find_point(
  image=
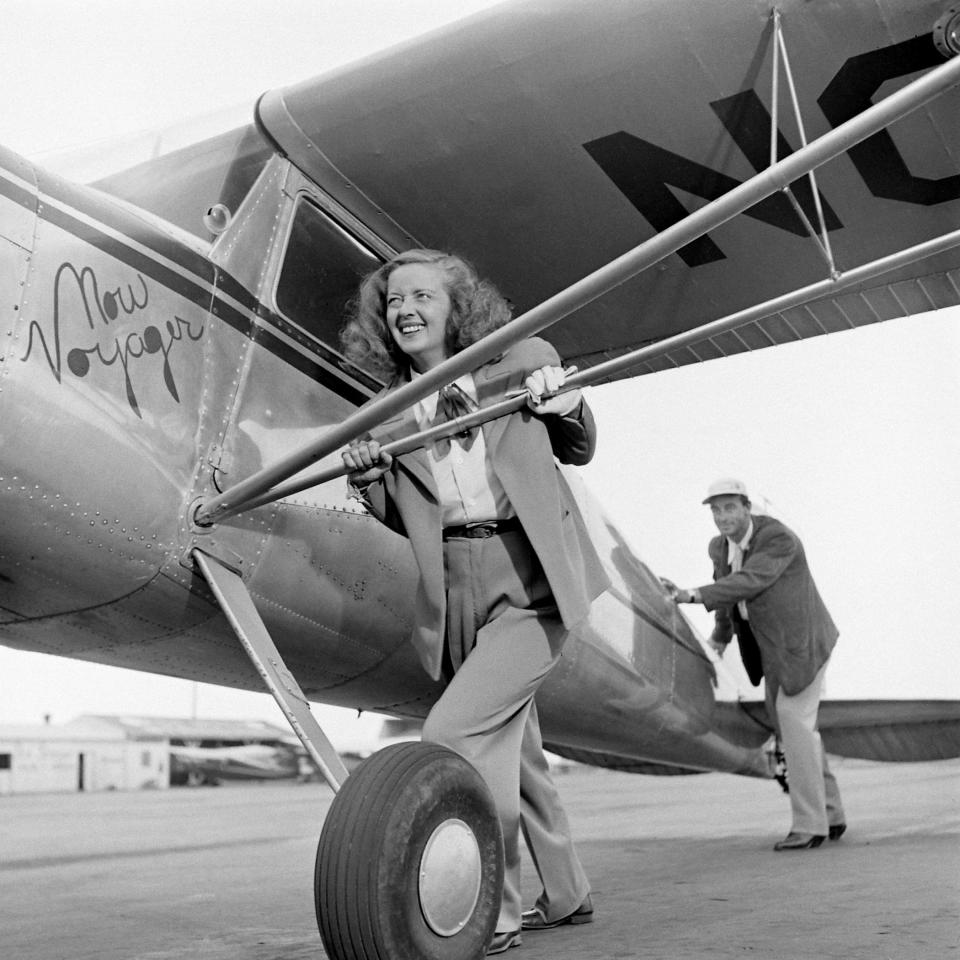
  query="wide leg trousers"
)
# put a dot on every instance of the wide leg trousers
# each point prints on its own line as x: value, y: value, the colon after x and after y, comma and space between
x: 504, y: 635
x: 814, y: 795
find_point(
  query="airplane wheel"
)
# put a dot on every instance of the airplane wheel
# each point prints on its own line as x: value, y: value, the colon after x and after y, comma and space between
x: 410, y: 859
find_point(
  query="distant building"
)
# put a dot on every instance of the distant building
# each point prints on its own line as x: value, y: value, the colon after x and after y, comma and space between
x: 200, y: 732
x: 137, y: 753
x: 49, y: 759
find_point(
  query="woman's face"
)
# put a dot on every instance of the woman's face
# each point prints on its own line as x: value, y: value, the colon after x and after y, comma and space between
x: 418, y: 307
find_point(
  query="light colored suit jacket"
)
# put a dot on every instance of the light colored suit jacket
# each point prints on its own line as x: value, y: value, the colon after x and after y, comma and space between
x: 789, y: 620
x: 521, y: 448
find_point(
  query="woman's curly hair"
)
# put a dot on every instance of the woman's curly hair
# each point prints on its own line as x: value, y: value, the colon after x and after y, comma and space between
x: 478, y: 308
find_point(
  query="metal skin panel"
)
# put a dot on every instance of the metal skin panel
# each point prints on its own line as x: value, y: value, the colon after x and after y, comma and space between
x: 544, y: 139
x: 19, y: 210
x: 100, y: 412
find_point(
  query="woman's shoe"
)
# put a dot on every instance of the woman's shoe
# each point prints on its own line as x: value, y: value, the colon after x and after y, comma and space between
x: 502, y: 942
x: 535, y: 920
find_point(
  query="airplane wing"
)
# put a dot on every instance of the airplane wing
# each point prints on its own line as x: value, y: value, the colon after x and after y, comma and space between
x: 542, y: 140
x: 893, y: 731
x: 889, y: 730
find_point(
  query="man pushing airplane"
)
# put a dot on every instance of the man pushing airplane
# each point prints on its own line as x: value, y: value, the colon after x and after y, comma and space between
x: 763, y: 591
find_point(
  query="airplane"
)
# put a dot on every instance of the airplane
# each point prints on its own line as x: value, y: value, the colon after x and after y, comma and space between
x: 196, y: 765
x: 171, y: 363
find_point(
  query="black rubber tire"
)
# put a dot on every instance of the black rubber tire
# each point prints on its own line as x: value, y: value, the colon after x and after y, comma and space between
x: 366, y: 879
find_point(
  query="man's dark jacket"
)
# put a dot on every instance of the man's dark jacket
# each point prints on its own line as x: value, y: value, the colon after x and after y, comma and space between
x: 793, y: 630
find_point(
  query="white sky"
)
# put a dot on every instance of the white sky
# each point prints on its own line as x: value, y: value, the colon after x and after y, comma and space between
x: 851, y: 438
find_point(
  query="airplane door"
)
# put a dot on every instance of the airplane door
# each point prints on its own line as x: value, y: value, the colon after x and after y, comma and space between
x: 294, y: 382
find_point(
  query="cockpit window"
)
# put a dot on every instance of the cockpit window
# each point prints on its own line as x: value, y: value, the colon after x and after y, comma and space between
x: 322, y: 269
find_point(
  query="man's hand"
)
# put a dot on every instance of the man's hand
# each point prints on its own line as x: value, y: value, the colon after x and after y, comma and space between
x: 550, y: 380
x: 677, y: 594
x: 670, y: 587
x: 366, y: 462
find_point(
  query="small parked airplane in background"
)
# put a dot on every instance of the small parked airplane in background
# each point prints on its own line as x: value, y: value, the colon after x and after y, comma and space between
x: 196, y: 765
x: 651, y: 186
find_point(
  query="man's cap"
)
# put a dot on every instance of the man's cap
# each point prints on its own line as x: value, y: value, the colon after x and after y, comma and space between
x: 727, y: 485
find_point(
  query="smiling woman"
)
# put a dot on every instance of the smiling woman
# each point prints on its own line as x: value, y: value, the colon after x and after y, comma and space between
x: 506, y: 569
x: 442, y: 303
x: 418, y: 306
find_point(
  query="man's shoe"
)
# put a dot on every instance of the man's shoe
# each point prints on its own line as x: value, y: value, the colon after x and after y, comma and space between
x: 799, y: 841
x: 502, y: 942
x: 837, y: 830
x: 535, y: 920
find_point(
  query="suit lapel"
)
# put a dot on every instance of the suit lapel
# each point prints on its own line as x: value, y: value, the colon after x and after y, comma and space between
x: 758, y: 523
x: 723, y: 547
x: 493, y: 380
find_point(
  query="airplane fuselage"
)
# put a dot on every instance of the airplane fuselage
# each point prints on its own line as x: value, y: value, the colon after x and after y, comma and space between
x: 145, y: 370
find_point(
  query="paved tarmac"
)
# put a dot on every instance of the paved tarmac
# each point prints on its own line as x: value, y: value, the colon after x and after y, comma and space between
x: 682, y: 867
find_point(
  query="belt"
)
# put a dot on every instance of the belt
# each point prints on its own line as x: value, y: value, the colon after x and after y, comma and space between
x: 481, y: 529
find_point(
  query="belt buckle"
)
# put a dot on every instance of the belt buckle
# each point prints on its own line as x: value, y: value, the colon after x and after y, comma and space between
x: 482, y: 531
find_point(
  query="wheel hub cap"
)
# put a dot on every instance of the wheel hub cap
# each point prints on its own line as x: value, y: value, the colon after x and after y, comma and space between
x: 450, y: 874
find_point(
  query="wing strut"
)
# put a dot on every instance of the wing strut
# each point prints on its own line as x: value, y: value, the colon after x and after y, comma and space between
x: 780, y: 49
x: 235, y: 601
x: 629, y: 361
x: 585, y: 291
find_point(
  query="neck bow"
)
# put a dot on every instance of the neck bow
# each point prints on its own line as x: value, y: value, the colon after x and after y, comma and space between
x: 452, y: 403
